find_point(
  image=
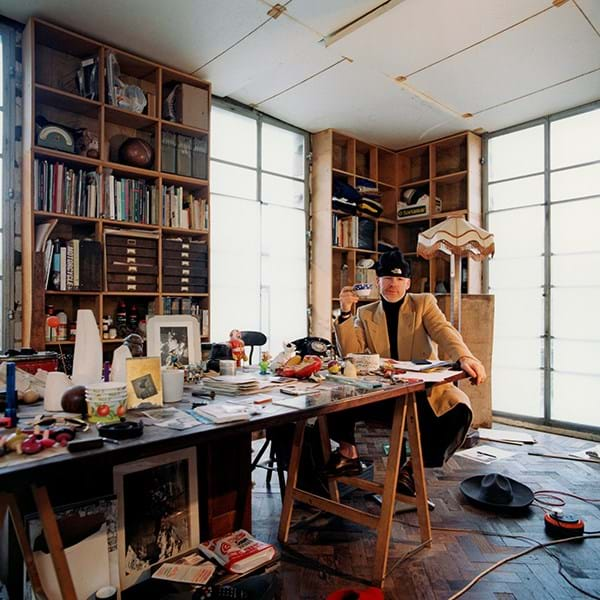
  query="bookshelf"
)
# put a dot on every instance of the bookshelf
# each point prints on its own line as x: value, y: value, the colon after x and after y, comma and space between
x: 448, y: 169
x: 97, y: 195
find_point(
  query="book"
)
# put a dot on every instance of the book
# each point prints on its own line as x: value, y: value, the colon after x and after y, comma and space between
x: 183, y: 571
x: 220, y: 412
x: 238, y: 552
x: 419, y: 365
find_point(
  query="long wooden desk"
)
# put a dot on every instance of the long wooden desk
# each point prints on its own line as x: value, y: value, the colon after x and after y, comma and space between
x: 224, y: 493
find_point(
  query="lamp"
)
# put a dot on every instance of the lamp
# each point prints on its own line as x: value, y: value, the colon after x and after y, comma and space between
x: 455, y: 237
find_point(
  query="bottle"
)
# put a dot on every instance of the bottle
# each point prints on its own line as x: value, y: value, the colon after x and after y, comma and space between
x: 62, y: 326
x: 105, y: 326
x: 49, y: 330
x: 132, y: 319
x: 121, y: 319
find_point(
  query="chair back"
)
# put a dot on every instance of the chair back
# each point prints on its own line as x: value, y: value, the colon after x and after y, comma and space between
x: 253, y: 338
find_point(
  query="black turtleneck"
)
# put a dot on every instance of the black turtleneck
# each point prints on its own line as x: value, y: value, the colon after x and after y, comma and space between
x: 392, y: 310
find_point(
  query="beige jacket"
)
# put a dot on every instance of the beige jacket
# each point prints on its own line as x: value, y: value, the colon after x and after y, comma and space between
x: 422, y: 327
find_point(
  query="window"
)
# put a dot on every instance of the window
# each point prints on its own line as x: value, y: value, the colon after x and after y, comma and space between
x: 543, y: 205
x: 258, y: 226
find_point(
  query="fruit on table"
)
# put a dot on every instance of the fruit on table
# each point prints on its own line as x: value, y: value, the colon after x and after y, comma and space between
x: 301, y: 369
x: 334, y: 367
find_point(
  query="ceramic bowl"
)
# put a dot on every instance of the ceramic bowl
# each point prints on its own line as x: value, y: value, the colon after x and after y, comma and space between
x: 362, y: 290
x: 105, y: 410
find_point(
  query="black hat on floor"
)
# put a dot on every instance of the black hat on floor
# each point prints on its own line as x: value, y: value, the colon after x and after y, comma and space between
x: 392, y: 263
x: 496, y: 492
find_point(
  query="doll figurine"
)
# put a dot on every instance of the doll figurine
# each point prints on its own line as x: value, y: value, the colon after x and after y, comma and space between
x: 265, y: 359
x: 236, y: 343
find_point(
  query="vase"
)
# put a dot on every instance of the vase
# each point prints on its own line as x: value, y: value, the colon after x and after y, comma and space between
x: 87, y: 357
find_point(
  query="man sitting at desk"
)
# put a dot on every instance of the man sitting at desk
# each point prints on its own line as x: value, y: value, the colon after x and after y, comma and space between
x: 404, y: 327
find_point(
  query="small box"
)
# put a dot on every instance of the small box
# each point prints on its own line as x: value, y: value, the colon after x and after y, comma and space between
x: 191, y: 106
x: 416, y: 206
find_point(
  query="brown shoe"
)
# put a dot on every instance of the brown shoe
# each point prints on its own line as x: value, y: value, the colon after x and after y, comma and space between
x: 406, y: 483
x: 339, y: 465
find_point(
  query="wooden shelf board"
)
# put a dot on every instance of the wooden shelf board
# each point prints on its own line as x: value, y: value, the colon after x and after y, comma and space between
x: 387, y: 184
x: 128, y: 118
x: 451, y: 213
x: 71, y: 293
x: 127, y: 170
x: 136, y: 294
x: 61, y: 343
x: 185, y: 294
x: 63, y: 216
x: 112, y: 222
x: 387, y: 220
x: 66, y: 157
x: 414, y: 183
x: 171, y: 178
x: 170, y: 74
x: 451, y: 177
x: 340, y: 172
x: 184, y: 230
x: 183, y: 128
x: 414, y: 220
x: 45, y: 94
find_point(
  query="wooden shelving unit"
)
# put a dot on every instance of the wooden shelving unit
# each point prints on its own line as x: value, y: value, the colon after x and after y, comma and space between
x: 448, y: 168
x: 51, y: 56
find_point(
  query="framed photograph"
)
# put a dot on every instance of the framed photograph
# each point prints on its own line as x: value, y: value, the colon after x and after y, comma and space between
x: 175, y: 338
x: 157, y: 511
x: 144, y: 384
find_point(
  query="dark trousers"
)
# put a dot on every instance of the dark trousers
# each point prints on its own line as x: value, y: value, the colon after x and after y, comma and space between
x: 440, y: 436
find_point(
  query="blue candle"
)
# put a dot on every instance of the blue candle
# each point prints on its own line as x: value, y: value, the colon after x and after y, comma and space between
x: 11, y: 395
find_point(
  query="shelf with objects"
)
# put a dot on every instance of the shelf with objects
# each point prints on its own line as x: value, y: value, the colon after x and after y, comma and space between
x: 436, y: 181
x: 115, y: 170
x: 354, y: 198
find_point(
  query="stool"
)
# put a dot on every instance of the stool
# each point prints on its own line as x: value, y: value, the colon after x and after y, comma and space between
x: 405, y: 416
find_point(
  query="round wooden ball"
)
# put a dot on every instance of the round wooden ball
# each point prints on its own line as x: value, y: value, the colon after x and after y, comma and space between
x: 73, y: 400
x: 136, y: 153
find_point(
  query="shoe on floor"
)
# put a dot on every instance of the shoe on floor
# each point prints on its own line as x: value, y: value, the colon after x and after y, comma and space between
x: 339, y: 465
x: 406, y: 483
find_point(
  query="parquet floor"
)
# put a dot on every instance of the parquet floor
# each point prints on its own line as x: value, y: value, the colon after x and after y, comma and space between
x: 455, y: 557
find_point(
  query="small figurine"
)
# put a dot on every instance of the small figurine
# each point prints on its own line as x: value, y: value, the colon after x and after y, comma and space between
x: 265, y: 358
x: 236, y: 343
x: 289, y: 350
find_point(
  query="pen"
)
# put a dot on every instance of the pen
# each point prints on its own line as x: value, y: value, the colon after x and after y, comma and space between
x: 486, y: 454
x: 110, y: 441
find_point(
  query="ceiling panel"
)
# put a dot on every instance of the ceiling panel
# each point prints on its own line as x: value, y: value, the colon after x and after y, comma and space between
x: 275, y: 57
x: 554, y: 46
x: 364, y: 104
x: 417, y: 33
x: 326, y: 17
x: 185, y: 38
x: 591, y: 8
x: 576, y: 92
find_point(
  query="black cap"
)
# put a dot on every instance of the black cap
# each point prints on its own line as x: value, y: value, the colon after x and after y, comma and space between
x: 392, y: 263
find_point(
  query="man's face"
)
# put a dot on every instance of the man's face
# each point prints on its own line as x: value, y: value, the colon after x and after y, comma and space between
x: 393, y: 288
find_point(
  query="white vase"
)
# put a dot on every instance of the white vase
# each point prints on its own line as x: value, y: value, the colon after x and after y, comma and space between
x: 118, y: 371
x: 56, y: 384
x: 87, y: 357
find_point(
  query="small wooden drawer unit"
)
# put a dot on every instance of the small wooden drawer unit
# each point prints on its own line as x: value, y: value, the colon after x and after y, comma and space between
x: 131, y: 261
x: 185, y: 266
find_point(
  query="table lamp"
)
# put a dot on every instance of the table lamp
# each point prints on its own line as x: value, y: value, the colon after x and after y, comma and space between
x: 455, y: 237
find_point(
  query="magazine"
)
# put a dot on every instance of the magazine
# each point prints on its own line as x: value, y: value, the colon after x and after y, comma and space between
x: 238, y: 552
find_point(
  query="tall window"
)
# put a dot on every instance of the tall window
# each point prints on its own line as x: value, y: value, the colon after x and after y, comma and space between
x: 258, y: 226
x: 543, y: 205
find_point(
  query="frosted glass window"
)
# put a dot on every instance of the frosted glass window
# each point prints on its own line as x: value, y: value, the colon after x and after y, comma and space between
x: 519, y: 313
x: 575, y: 313
x: 570, y: 139
x: 516, y: 272
x: 515, y: 154
x: 576, y: 356
x: 575, y: 183
x: 576, y: 270
x: 515, y: 193
x: 575, y: 398
x: 518, y: 391
x: 575, y: 227
x: 517, y: 352
x: 1, y: 76
x: 518, y: 233
x: 233, y: 137
x: 282, y: 151
x: 235, y: 266
x: 282, y: 191
x: 233, y: 181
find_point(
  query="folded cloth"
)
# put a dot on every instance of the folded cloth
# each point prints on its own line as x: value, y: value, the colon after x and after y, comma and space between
x: 347, y: 206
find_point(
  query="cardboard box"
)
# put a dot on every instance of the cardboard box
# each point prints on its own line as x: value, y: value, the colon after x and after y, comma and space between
x: 404, y: 210
x: 192, y: 106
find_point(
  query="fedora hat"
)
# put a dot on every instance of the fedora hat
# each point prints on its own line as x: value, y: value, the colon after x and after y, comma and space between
x: 496, y: 492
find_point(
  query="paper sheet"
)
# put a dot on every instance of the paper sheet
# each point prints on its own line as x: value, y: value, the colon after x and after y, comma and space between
x: 484, y: 454
x: 584, y: 453
x: 500, y: 435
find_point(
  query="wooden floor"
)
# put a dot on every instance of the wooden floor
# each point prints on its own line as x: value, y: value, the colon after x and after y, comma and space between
x: 455, y: 557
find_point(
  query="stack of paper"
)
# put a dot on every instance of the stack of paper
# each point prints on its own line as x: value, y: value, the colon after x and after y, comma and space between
x: 221, y: 412
x: 232, y: 385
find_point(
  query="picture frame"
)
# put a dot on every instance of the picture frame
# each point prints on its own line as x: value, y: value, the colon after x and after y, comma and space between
x: 175, y: 339
x: 144, y: 382
x: 157, y: 511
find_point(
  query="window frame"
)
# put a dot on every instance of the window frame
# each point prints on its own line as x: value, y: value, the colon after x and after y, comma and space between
x: 546, y: 121
x: 262, y: 118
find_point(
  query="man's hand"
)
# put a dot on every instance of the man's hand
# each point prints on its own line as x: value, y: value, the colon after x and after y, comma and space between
x: 347, y: 299
x: 473, y: 368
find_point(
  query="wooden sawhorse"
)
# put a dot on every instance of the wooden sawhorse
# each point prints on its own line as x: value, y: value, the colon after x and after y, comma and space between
x: 406, y: 408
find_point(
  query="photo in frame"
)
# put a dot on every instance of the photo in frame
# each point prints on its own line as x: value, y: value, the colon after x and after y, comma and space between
x: 175, y: 339
x: 144, y: 384
x: 157, y: 511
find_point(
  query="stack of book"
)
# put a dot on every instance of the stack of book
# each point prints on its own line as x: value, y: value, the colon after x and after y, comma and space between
x: 73, y: 265
x: 232, y: 385
x: 223, y: 412
x: 129, y: 200
x: 183, y: 209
